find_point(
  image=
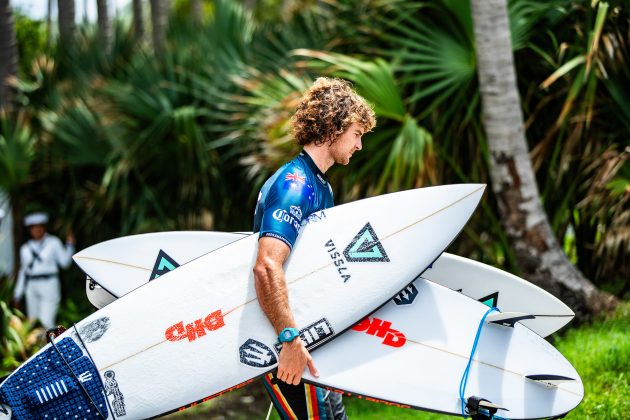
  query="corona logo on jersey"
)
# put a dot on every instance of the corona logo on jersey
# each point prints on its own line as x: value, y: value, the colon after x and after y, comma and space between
x: 296, y: 211
x: 283, y: 216
x: 382, y: 329
x: 195, y: 329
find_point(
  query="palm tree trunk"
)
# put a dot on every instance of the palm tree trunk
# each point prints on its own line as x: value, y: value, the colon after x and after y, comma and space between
x: 159, y: 21
x: 66, y: 21
x: 104, y: 25
x: 8, y: 55
x: 138, y: 20
x: 539, y: 255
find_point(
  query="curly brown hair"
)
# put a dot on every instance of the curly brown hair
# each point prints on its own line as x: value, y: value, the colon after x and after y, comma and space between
x: 326, y: 111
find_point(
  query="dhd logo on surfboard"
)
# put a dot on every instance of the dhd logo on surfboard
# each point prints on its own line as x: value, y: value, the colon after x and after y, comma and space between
x: 195, y: 329
x: 382, y: 329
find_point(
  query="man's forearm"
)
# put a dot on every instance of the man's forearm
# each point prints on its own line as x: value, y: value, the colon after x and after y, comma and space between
x: 271, y: 286
x: 273, y: 297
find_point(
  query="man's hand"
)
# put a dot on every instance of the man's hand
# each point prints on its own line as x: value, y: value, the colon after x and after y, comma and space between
x: 293, y: 358
x: 70, y: 239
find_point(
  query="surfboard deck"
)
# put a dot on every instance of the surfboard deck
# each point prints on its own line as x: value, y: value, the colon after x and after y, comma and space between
x: 138, y: 259
x: 179, y: 340
x: 414, y: 356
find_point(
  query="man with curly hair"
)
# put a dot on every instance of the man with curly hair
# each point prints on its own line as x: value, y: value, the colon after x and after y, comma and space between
x: 329, y: 123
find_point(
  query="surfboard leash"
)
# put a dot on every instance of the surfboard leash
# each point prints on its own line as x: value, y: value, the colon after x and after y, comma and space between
x: 464, y: 380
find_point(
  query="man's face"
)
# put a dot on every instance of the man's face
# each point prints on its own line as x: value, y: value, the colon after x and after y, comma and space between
x: 37, y: 231
x: 348, y: 143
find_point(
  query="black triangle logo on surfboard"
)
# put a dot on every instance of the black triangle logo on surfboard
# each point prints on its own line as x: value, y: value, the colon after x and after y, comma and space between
x: 366, y: 247
x: 492, y: 300
x: 163, y: 264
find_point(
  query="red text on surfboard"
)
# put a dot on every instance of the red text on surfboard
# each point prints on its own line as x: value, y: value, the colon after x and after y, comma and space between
x: 195, y: 329
x: 382, y: 329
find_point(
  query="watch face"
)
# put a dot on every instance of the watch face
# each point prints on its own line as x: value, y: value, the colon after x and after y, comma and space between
x: 287, y: 334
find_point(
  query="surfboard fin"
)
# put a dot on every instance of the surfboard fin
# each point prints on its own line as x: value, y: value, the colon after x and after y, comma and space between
x: 481, y: 409
x: 549, y: 381
x: 507, y: 319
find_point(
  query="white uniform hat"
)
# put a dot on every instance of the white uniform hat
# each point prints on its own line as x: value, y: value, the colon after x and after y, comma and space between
x: 35, y: 219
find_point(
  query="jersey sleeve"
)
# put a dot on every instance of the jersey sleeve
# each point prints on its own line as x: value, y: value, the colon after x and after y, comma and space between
x: 288, y: 199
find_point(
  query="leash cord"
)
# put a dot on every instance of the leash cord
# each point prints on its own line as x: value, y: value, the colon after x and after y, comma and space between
x: 464, y: 380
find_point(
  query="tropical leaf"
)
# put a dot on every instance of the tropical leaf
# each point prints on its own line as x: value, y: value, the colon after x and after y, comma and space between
x: 83, y: 135
x: 17, y: 151
x: 528, y: 16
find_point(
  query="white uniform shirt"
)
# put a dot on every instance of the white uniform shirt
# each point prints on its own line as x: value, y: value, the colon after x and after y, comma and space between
x: 52, y: 255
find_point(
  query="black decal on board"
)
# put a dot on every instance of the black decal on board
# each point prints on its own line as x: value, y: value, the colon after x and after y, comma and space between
x: 407, y: 296
x: 113, y: 393
x: 163, y: 264
x: 94, y: 330
x: 492, y: 300
x: 256, y: 354
x: 313, y: 335
x: 366, y: 247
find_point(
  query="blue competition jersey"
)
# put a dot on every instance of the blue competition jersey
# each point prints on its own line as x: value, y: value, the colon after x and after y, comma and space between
x: 293, y: 193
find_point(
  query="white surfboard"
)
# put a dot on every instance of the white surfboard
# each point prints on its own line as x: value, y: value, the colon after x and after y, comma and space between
x: 415, y: 356
x: 201, y: 332
x: 137, y: 259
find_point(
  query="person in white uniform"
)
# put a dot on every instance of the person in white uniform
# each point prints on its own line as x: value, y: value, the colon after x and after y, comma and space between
x: 38, y: 277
